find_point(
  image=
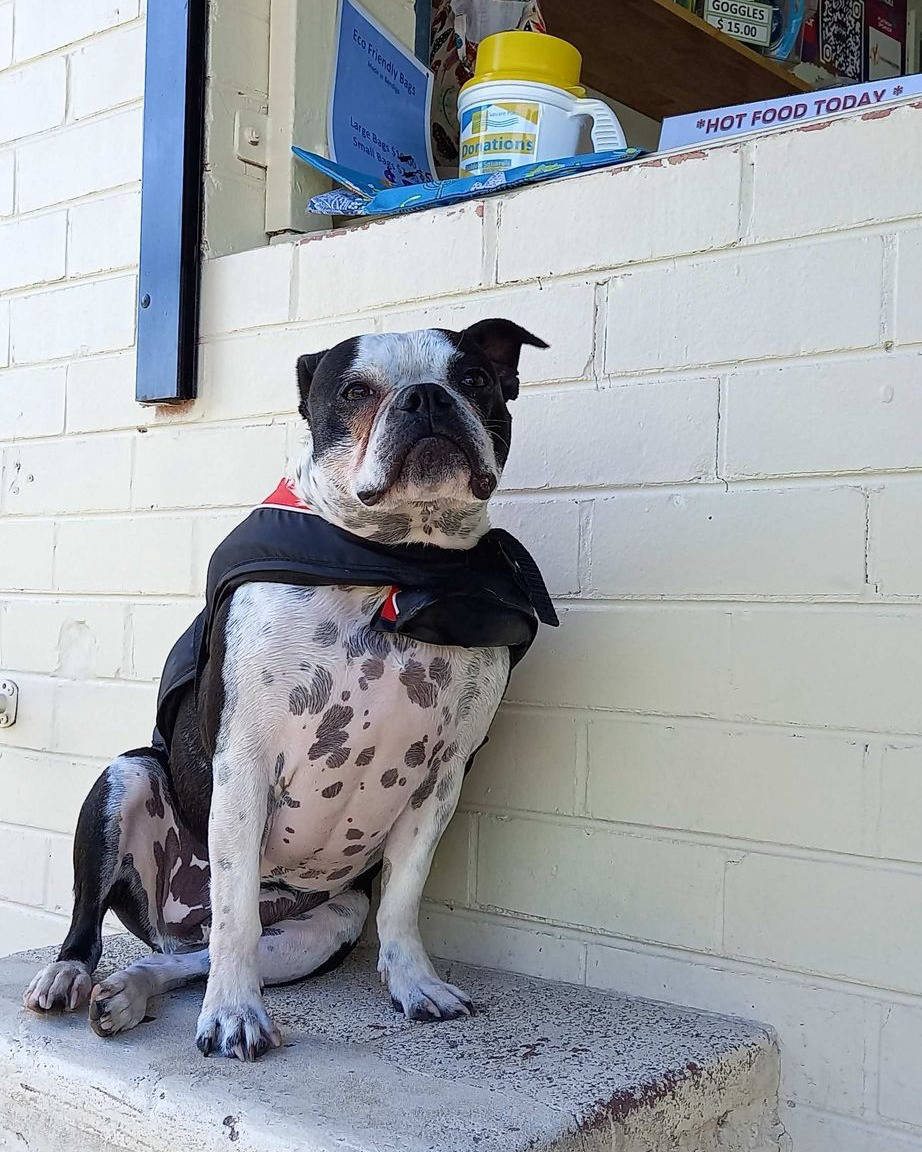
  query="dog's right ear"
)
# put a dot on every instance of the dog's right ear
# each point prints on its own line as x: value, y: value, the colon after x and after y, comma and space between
x: 307, y: 366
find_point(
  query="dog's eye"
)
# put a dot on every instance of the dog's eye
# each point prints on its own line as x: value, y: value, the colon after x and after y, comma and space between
x: 475, y: 380
x: 356, y: 391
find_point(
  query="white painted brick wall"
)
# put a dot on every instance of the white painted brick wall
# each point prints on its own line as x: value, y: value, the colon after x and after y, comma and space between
x: 826, y: 918
x: 380, y: 263
x: 6, y: 34
x: 69, y: 476
x: 91, y: 157
x: 32, y: 99
x: 230, y: 464
x: 32, y: 251
x: 23, y: 865
x: 730, y: 543
x: 32, y: 402
x: 153, y: 628
x: 73, y: 638
x: 43, y: 790
x: 707, y: 785
x: 643, y: 884
x: 121, y: 713
x: 851, y: 415
x: 4, y: 333
x: 75, y: 321
x: 107, y: 72
x: 639, y: 221
x: 140, y: 555
x: 668, y: 659
x: 529, y: 950
x: 909, y: 287
x: 656, y: 433
x: 900, y: 1098
x: 100, y: 394
x: 790, y: 682
x: 247, y: 290
x: 27, y: 549
x: 709, y: 778
x: 553, y: 530
x: 882, y: 188
x: 7, y: 171
x: 901, y: 793
x: 534, y: 761
x: 43, y: 25
x: 897, y: 540
x: 103, y: 234
x: 762, y: 303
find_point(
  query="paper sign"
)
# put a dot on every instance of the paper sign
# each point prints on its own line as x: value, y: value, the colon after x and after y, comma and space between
x: 379, y: 108
x: 886, y: 39
x: 741, y: 19
x: 717, y: 123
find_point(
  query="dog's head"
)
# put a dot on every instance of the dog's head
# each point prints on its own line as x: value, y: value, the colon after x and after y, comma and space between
x: 406, y: 422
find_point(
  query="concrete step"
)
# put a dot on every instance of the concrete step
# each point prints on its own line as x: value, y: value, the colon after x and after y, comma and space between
x: 541, y: 1066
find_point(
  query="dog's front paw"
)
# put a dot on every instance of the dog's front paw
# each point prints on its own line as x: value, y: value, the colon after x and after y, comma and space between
x: 417, y: 992
x: 430, y: 999
x: 62, y: 986
x: 241, y: 1030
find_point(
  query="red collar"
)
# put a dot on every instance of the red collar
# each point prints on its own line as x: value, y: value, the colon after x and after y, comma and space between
x: 285, y: 496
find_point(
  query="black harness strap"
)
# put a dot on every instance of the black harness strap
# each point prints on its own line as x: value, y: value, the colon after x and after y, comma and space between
x: 491, y: 595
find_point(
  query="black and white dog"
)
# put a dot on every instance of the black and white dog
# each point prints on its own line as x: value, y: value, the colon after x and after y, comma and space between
x: 331, y: 714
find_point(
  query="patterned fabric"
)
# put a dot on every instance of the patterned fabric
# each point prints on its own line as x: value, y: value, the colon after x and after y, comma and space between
x: 391, y: 201
x: 458, y: 26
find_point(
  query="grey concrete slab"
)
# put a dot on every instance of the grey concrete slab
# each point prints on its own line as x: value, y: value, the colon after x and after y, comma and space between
x: 541, y: 1066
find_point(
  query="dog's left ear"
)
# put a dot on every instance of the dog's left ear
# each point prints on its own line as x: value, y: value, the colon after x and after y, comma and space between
x: 502, y: 341
x: 307, y: 366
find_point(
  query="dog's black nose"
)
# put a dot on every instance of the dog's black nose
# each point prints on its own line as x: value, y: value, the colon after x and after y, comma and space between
x: 425, y: 399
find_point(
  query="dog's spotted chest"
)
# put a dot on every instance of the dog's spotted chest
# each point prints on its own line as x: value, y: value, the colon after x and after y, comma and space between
x: 362, y: 725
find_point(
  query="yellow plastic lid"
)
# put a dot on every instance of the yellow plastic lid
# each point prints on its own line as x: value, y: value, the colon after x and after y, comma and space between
x: 533, y: 56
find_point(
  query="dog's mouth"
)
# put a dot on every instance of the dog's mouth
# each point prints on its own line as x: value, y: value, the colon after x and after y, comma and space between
x: 429, y: 463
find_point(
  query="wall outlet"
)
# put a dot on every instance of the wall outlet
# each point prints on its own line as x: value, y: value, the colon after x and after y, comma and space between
x: 9, y: 702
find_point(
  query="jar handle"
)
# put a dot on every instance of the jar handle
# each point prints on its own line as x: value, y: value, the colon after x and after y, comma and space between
x: 607, y: 133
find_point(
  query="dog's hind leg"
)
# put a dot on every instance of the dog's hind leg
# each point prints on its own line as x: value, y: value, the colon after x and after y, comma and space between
x: 130, y: 855
x: 298, y: 946
x: 120, y: 1001
x: 313, y: 942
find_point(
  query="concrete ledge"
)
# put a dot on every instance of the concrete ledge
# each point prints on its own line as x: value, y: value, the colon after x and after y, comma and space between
x: 542, y: 1066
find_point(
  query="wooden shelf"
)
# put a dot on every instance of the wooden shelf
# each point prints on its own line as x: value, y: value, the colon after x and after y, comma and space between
x: 661, y: 59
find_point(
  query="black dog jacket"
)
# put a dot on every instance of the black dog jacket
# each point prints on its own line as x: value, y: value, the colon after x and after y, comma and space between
x: 491, y: 595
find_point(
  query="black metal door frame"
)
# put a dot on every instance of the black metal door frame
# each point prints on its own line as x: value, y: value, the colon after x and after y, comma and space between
x: 171, y: 201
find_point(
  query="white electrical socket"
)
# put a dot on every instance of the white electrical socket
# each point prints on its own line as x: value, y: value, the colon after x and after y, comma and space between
x: 9, y: 702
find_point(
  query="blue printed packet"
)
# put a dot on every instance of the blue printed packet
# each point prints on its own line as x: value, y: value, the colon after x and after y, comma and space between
x: 363, y: 195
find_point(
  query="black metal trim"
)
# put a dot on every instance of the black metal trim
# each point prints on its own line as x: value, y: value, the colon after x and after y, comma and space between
x: 171, y: 201
x: 423, y: 30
